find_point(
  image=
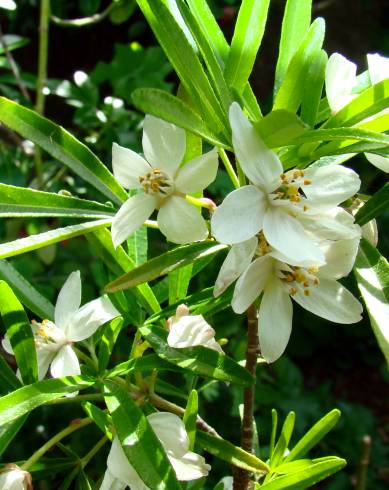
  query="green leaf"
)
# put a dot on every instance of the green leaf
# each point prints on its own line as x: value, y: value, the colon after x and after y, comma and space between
x: 19, y: 333
x: 313, y: 88
x: 343, y: 135
x: 140, y: 444
x: 108, y: 341
x: 377, y: 204
x: 144, y: 363
x: 190, y: 417
x: 295, y: 25
x: 137, y: 246
x: 11, y: 41
x: 25, y: 399
x: 9, y: 431
x: 40, y: 240
x: 314, y: 435
x: 100, y: 418
x: 179, y: 283
x: 291, y: 91
x: 283, y: 440
x: 82, y: 482
x: 274, y: 424
x: 307, y: 476
x: 279, y: 128
x: 167, y: 262
x: 372, y: 274
x: 234, y: 455
x: 172, y: 109
x: 8, y: 379
x: 62, y: 146
x: 248, y: 33
x: 198, y: 360
x: 25, y: 291
x: 21, y: 202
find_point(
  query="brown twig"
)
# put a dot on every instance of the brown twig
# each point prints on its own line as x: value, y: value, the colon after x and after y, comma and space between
x: 242, y: 477
x: 363, y: 464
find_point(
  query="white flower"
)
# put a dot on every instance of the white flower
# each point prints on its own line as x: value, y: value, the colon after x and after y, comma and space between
x: 187, y: 330
x: 314, y: 288
x: 13, y: 478
x: 287, y: 206
x: 72, y: 323
x: 341, y: 79
x: 171, y: 432
x: 164, y: 183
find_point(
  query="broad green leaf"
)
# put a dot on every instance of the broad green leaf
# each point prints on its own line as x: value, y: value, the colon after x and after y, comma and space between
x: 100, y: 418
x: 190, y: 417
x: 291, y: 91
x: 198, y: 360
x: 279, y: 128
x: 179, y: 282
x: 165, y: 263
x: 344, y: 147
x: 341, y: 134
x: 22, y: 202
x: 313, y: 88
x: 25, y: 291
x: 19, y: 333
x: 314, y: 435
x: 248, y: 33
x: 140, y: 444
x: 12, y: 41
x: 234, y: 455
x: 307, y: 476
x: 377, y: 204
x: 137, y: 246
x: 119, y: 262
x: 372, y: 274
x: 283, y: 440
x: 172, y: 109
x: 295, y: 25
x: 108, y: 341
x: 61, y: 145
x: 25, y: 399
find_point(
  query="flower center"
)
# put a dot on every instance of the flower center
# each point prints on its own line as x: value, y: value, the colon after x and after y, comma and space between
x: 290, y: 188
x: 156, y: 182
x: 298, y: 278
x: 263, y: 247
x: 46, y: 333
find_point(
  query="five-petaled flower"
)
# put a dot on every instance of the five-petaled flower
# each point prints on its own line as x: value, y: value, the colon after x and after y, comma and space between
x: 164, y: 182
x: 72, y: 323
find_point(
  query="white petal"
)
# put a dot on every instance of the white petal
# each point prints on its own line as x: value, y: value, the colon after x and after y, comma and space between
x: 240, y: 216
x: 378, y: 67
x: 120, y: 468
x: 331, y: 185
x: 286, y: 234
x: 170, y: 430
x: 274, y: 321
x: 237, y: 260
x: 128, y: 166
x: 191, y: 466
x: 261, y: 165
x: 251, y: 283
x: 333, y: 224
x: 197, y: 174
x: 65, y: 363
x: 378, y: 161
x: 89, y: 318
x: 370, y: 232
x: 189, y: 331
x: 112, y: 483
x: 332, y: 301
x: 181, y: 222
x: 13, y: 479
x: 44, y: 358
x: 163, y: 144
x: 7, y: 345
x: 340, y: 257
x: 340, y: 79
x: 68, y: 301
x: 133, y: 213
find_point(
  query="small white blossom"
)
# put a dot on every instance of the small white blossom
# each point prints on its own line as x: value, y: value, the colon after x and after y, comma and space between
x: 186, y: 330
x: 289, y: 207
x: 13, y: 478
x: 72, y: 323
x: 171, y: 432
x: 164, y: 182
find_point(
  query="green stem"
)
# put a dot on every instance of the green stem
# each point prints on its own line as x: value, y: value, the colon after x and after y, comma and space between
x: 229, y: 168
x: 241, y: 175
x: 85, y: 460
x: 79, y: 424
x: 84, y: 21
x: 77, y: 398
x: 200, y: 203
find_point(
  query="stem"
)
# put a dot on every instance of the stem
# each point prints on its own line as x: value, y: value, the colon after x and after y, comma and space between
x: 85, y: 460
x: 76, y: 425
x: 229, y: 168
x: 363, y: 464
x: 84, y: 21
x: 41, y: 77
x: 76, y: 399
x: 241, y: 175
x: 201, y: 202
x: 242, y: 477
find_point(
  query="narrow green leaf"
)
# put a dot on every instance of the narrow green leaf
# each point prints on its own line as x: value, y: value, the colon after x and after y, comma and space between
x: 274, y: 424
x: 345, y: 147
x: 234, y: 455
x: 179, y: 282
x: 11, y: 41
x: 25, y: 291
x: 108, y: 341
x: 40, y: 240
x: 19, y: 333
x: 61, y: 145
x: 144, y: 363
x: 141, y: 446
x: 295, y: 25
x: 82, y: 482
x: 314, y: 435
x: 377, y: 204
x: 9, y: 431
x: 190, y: 417
x: 343, y: 135
x: 25, y: 399
x: 19, y: 201
x: 248, y: 33
x: 198, y: 360
x: 100, y: 418
x: 313, y: 88
x: 165, y: 263
x: 137, y: 245
x: 283, y: 440
x: 372, y: 273
x: 8, y: 380
x: 279, y: 128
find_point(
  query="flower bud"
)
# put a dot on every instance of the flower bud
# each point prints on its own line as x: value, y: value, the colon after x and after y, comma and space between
x: 13, y: 478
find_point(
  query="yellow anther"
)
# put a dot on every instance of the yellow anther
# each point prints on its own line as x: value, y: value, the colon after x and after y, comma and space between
x: 316, y: 281
x: 307, y: 292
x: 305, y: 208
x: 306, y: 284
x: 292, y: 291
x: 307, y: 182
x: 292, y: 191
x: 289, y: 278
x: 313, y: 270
